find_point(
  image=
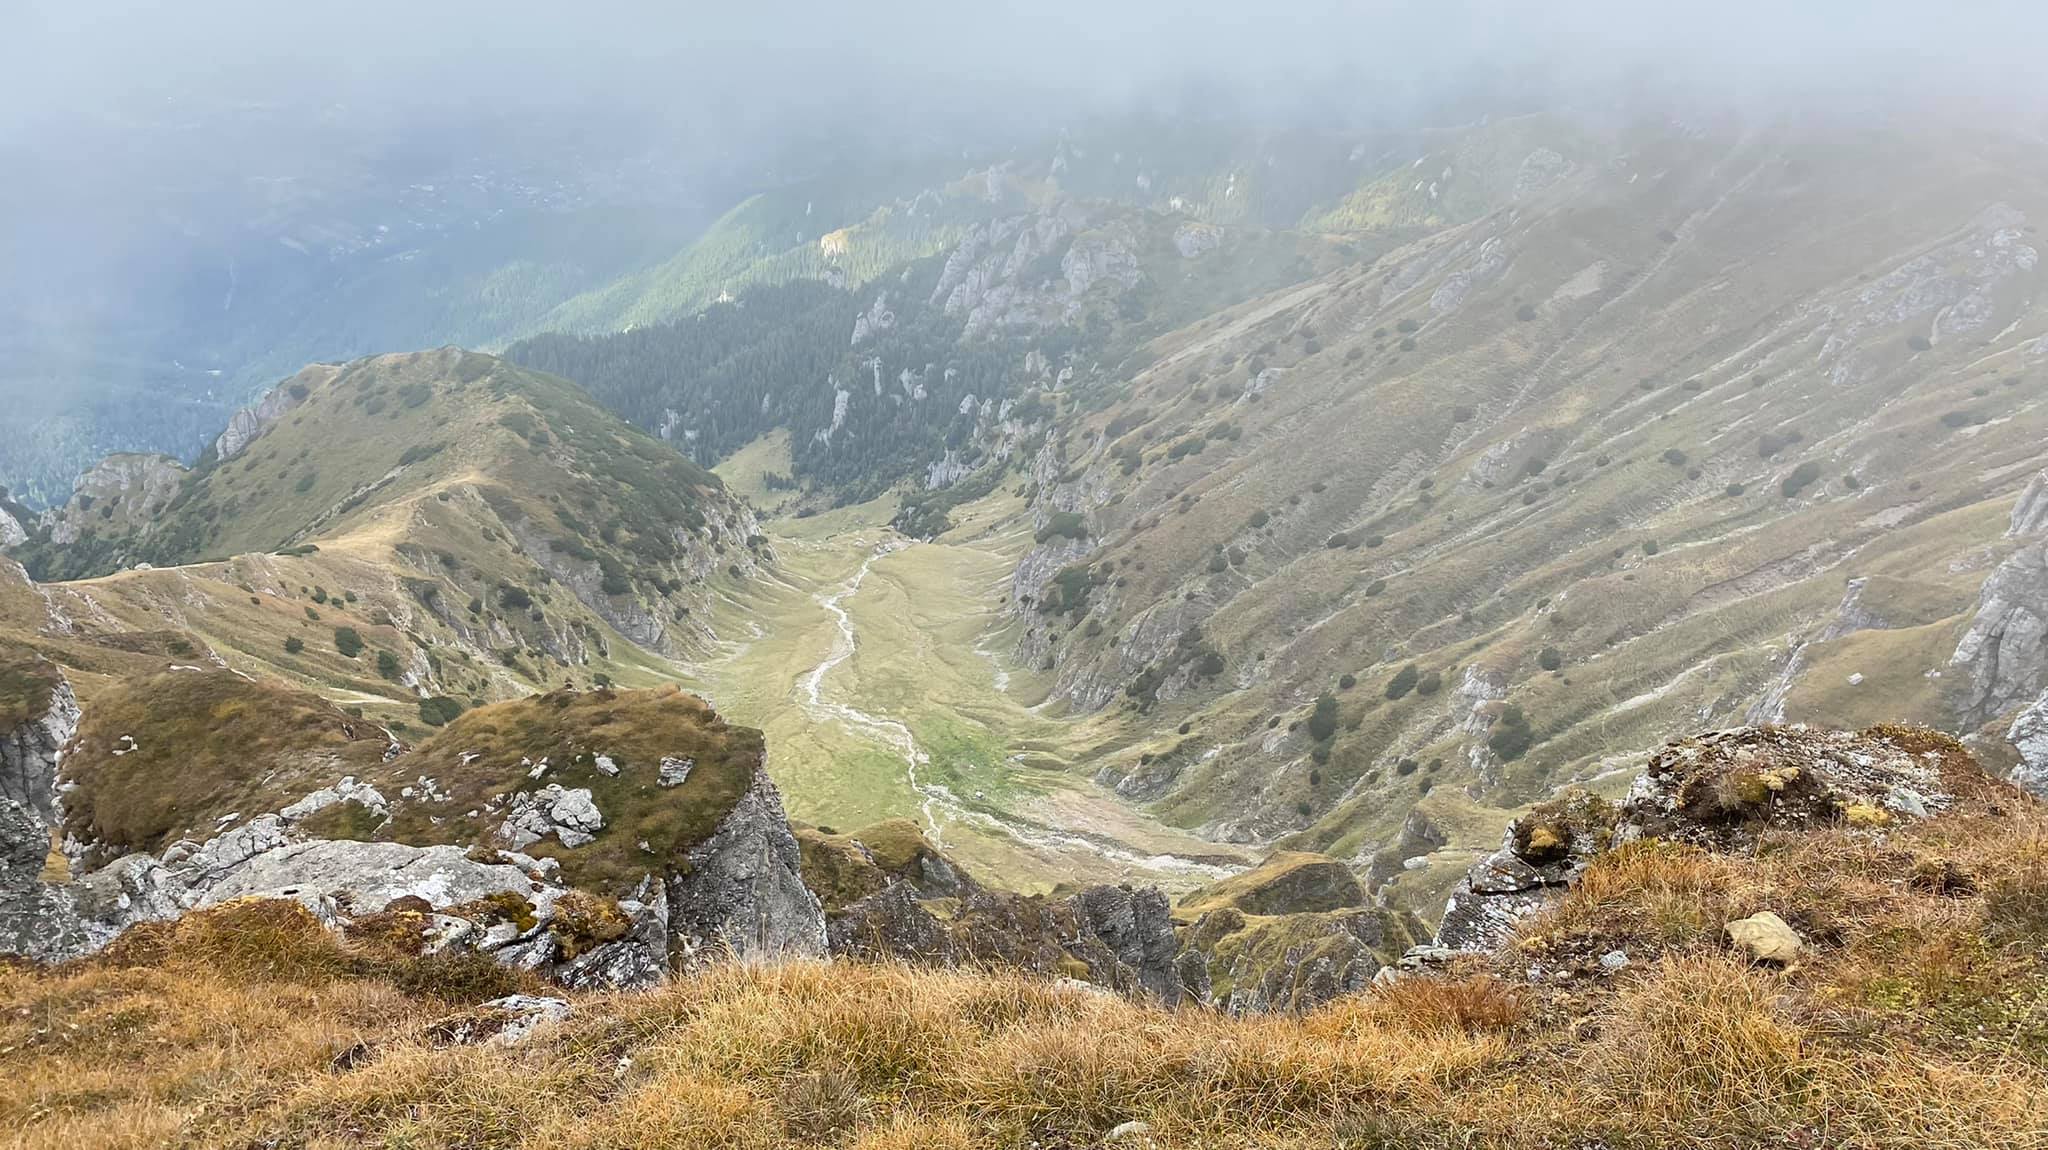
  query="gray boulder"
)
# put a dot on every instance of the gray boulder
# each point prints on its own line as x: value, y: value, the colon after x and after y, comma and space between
x: 1541, y: 854
x: 740, y: 893
x: 2029, y: 736
x: 339, y: 875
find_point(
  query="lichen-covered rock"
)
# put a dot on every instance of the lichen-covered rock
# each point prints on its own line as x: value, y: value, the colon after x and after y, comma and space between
x: 1540, y: 855
x: 1723, y: 789
x: 741, y: 891
x: 332, y: 875
x: 638, y: 957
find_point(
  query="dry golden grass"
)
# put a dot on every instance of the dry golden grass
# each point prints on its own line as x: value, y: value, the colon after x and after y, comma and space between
x: 1920, y: 1019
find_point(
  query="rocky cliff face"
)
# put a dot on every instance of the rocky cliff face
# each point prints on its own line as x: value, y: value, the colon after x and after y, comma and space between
x: 1028, y: 272
x: 248, y: 423
x: 2005, y: 650
x: 31, y: 750
x: 122, y: 494
x: 741, y: 892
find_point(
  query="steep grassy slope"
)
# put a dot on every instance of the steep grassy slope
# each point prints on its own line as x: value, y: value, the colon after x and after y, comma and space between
x: 434, y: 524
x: 160, y: 757
x: 1553, y: 483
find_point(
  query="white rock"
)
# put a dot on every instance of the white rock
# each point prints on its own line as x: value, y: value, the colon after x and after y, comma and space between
x: 534, y: 1013
x: 675, y: 772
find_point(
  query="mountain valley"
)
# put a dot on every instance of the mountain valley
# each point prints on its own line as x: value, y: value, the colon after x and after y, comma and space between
x: 1276, y: 580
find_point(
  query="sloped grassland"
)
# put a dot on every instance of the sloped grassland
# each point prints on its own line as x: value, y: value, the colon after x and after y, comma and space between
x: 1530, y: 494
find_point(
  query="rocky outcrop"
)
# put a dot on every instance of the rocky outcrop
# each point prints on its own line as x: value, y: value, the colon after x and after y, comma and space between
x: 51, y: 922
x: 1724, y: 789
x: 740, y: 893
x: 1296, y: 962
x: 2005, y: 649
x: 663, y: 622
x: 1135, y: 928
x: 125, y: 492
x: 1286, y: 882
x: 1113, y: 936
x: 1024, y: 273
x: 2030, y: 511
x: 1419, y: 837
x: 246, y: 425
x: 736, y: 891
x: 1721, y: 791
x: 2029, y: 737
x: 1541, y: 854
x: 570, y: 815
x: 30, y: 750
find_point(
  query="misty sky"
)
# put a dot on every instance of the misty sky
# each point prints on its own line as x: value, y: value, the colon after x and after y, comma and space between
x: 171, y: 167
x: 762, y: 65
